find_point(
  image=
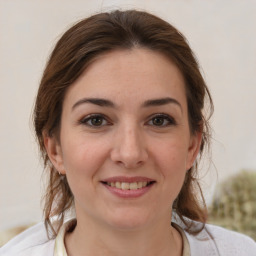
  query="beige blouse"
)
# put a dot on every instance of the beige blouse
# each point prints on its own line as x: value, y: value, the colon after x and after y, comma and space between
x: 60, y: 250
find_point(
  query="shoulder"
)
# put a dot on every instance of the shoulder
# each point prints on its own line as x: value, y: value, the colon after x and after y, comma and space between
x: 230, y: 242
x: 216, y: 240
x: 33, y: 241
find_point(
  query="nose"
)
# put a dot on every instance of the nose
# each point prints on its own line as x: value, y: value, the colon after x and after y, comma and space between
x: 129, y: 148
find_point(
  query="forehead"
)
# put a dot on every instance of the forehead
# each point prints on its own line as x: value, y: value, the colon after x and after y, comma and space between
x: 129, y: 75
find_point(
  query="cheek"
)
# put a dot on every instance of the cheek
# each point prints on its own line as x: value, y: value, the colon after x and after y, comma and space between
x: 171, y: 163
x: 83, y: 157
x: 172, y: 156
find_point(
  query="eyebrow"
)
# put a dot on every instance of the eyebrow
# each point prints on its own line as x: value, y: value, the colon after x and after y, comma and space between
x: 107, y: 103
x: 95, y: 101
x: 160, y: 102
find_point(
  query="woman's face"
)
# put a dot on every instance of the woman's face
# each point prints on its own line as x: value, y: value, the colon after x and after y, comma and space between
x: 125, y: 143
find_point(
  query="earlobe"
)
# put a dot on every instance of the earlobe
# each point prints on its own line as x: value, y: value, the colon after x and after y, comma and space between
x: 194, y: 147
x: 54, y: 152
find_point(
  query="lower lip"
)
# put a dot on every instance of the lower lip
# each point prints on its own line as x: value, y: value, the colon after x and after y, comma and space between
x: 132, y: 193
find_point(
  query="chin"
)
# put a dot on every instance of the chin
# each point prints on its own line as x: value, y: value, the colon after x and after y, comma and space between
x: 129, y: 220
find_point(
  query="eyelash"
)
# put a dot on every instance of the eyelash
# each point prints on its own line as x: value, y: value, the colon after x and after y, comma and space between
x: 87, y: 119
x: 168, y: 120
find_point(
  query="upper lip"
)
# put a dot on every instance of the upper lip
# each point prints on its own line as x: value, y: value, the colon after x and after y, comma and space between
x: 127, y: 179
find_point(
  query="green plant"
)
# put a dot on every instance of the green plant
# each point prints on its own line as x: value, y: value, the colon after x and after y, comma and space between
x: 234, y: 204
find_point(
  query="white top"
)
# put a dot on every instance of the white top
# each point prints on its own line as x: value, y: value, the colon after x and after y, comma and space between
x: 211, y: 241
x: 60, y: 250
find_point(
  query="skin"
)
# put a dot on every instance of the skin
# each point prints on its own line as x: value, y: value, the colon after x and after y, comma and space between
x: 129, y: 141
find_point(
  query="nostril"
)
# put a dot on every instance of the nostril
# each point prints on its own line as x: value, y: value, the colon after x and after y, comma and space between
x: 128, y: 157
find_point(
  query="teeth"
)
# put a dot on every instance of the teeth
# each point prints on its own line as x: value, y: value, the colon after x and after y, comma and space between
x: 117, y: 185
x: 133, y: 185
x: 140, y: 184
x: 128, y: 186
x: 125, y: 185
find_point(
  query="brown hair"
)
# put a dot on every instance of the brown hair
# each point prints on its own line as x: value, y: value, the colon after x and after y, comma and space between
x: 75, y: 50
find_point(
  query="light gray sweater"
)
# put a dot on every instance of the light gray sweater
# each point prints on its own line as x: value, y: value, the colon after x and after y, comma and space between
x: 211, y: 241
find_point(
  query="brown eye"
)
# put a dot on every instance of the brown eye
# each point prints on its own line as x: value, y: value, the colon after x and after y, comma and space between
x: 94, y: 121
x: 97, y: 121
x: 161, y: 120
x: 158, y: 121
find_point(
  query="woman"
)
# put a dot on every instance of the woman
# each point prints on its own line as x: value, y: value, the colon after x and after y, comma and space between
x: 120, y: 124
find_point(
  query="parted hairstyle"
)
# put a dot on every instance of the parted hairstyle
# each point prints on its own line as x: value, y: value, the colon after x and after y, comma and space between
x: 74, y: 52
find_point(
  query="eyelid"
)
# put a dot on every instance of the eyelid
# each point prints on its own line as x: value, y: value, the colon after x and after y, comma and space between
x: 170, y: 119
x: 85, y: 119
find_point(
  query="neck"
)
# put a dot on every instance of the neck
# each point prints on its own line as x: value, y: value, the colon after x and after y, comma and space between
x: 88, y: 238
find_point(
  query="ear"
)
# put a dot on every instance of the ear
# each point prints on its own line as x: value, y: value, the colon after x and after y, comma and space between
x: 193, y: 150
x: 54, y: 152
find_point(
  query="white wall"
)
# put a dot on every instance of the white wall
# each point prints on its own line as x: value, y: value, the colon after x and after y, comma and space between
x: 222, y: 34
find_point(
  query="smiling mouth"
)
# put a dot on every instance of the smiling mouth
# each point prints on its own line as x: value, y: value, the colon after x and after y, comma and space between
x: 129, y: 185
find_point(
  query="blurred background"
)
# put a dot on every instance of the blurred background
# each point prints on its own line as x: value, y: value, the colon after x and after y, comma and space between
x: 222, y: 35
